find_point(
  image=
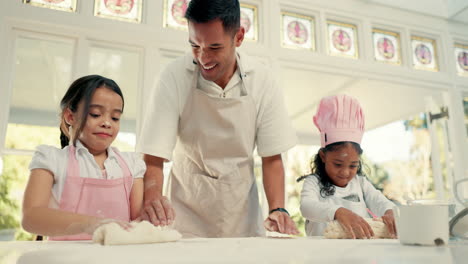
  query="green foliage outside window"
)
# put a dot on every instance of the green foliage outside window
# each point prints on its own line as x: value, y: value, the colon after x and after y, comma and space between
x: 8, y: 207
x: 13, y: 180
x: 15, y: 171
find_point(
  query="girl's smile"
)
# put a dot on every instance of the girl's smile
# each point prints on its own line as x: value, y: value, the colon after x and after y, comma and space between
x: 341, y: 165
x: 103, y: 121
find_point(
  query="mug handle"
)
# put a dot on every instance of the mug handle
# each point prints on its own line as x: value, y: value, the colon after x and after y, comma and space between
x: 455, y: 185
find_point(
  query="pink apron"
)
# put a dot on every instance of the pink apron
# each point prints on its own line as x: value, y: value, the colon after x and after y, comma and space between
x: 96, y: 197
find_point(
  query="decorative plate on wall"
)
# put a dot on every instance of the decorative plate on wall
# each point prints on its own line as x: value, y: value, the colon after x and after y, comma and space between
x: 342, y: 39
x: 297, y: 31
x: 424, y: 53
x: 64, y: 5
x: 461, y: 58
x: 174, y: 12
x: 124, y: 10
x: 386, y: 46
x: 249, y: 20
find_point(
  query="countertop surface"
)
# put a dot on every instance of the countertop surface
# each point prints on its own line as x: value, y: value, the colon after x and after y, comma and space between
x: 235, y: 250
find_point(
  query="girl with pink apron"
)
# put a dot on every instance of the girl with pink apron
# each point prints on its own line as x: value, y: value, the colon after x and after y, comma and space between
x: 107, y: 198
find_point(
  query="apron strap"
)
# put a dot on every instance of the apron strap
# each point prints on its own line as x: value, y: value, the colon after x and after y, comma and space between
x: 242, y: 74
x: 127, y: 175
x: 73, y: 167
x: 73, y: 174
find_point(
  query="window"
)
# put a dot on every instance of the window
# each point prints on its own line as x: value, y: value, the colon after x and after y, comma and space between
x: 123, y: 65
x: 42, y: 75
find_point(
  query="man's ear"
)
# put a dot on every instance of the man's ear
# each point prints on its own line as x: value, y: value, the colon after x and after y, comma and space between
x: 69, y: 117
x: 239, y: 37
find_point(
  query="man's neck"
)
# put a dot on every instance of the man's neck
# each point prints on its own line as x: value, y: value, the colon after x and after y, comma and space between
x: 224, y: 82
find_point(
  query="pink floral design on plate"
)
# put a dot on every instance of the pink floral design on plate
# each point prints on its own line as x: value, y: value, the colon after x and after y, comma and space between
x: 341, y: 40
x: 423, y: 54
x: 463, y: 60
x: 178, y: 9
x: 119, y: 7
x: 386, y: 48
x: 297, y: 32
x: 245, y: 21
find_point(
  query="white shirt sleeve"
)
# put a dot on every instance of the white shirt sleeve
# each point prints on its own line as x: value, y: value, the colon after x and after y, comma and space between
x: 54, y: 160
x: 45, y: 157
x: 374, y: 199
x: 275, y: 133
x: 160, y: 120
x: 135, y: 163
x: 312, y: 208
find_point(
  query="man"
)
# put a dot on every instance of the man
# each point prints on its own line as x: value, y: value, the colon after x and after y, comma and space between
x: 214, y: 107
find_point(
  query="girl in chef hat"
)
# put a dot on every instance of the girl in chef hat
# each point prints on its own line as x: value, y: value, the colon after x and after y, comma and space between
x: 337, y: 189
x: 73, y: 190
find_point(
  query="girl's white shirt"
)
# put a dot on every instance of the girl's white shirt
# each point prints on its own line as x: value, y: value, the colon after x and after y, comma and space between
x: 319, y: 210
x: 55, y: 160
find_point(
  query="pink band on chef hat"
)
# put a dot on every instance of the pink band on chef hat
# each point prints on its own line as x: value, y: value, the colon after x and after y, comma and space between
x: 339, y: 118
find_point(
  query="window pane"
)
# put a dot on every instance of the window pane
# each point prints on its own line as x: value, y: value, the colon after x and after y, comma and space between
x: 125, y: 141
x: 123, y: 66
x: 297, y: 161
x: 28, y: 137
x: 42, y: 75
x: 400, y: 164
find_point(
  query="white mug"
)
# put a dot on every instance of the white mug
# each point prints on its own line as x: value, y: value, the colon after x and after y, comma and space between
x: 422, y: 224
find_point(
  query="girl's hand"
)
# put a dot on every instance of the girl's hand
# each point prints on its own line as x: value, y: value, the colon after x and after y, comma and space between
x: 353, y: 224
x: 95, y: 223
x: 389, y: 221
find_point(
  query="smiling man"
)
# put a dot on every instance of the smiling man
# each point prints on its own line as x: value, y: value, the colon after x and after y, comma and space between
x: 209, y: 111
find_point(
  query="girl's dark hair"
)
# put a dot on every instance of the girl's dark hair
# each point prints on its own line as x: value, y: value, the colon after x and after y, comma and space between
x: 82, y: 90
x: 317, y: 166
x: 202, y: 11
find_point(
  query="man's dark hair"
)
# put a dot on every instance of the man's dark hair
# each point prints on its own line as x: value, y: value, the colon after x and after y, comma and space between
x: 202, y: 11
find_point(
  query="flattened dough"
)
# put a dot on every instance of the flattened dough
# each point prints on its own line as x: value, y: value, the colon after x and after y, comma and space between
x: 141, y: 233
x: 335, y: 231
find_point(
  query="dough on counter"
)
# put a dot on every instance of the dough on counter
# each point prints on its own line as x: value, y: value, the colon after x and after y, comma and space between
x: 141, y: 233
x: 336, y: 231
x: 273, y: 234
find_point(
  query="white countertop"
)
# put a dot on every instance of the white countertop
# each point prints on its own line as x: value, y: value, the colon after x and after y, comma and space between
x: 235, y: 250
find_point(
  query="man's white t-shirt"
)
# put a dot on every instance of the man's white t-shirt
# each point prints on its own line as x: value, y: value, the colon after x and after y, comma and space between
x: 274, y: 133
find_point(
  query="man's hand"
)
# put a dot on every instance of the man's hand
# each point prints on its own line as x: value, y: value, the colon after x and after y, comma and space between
x: 280, y: 222
x: 158, y: 211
